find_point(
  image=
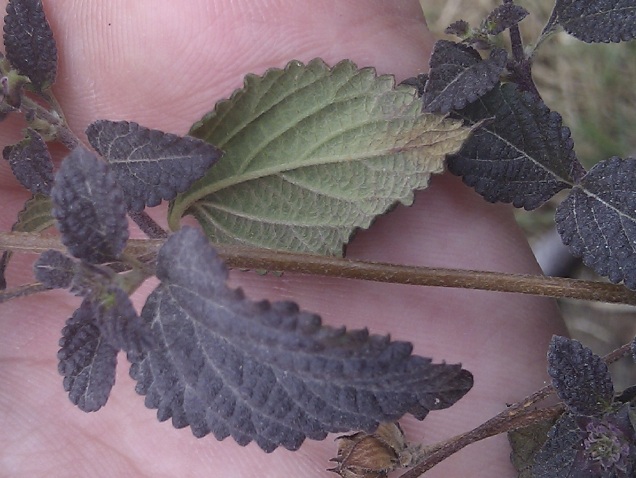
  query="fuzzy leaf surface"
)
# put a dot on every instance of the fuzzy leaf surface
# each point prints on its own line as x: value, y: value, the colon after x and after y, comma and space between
x: 458, y: 75
x: 31, y: 163
x: 557, y: 457
x: 55, y: 269
x: 504, y: 17
x: 89, y: 208
x: 150, y: 165
x: 522, y: 155
x: 267, y: 372
x: 313, y: 153
x: 599, y: 20
x: 526, y: 443
x: 580, y: 377
x: 86, y: 360
x: 598, y: 220
x: 118, y: 321
x: 29, y: 42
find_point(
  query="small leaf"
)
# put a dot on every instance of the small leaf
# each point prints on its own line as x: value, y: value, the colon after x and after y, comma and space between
x: 86, y: 361
x: 29, y: 42
x: 31, y: 163
x: 504, y: 17
x: 580, y: 377
x: 598, y: 220
x: 599, y: 20
x: 55, y: 270
x: 89, y: 208
x: 526, y: 443
x: 459, y: 28
x: 418, y: 82
x: 459, y: 76
x: 266, y: 371
x: 313, y: 153
x: 35, y: 216
x: 557, y: 457
x: 150, y: 165
x: 523, y: 154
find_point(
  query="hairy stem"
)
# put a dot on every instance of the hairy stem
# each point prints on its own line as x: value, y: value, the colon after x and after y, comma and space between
x: 53, y: 119
x: 251, y: 258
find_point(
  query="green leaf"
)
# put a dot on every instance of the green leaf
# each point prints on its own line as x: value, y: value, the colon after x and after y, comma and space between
x: 526, y: 443
x: 311, y: 154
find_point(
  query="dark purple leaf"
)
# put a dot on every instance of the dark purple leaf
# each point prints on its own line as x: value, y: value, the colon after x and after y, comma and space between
x: 504, y: 17
x: 522, y: 153
x: 86, y: 361
x: 598, y: 220
x: 580, y: 377
x: 459, y: 76
x: 418, y: 82
x: 29, y: 42
x: 118, y: 321
x: 459, y: 28
x: 599, y: 20
x: 31, y: 163
x: 89, y: 208
x: 151, y: 165
x: 54, y: 269
x: 557, y: 457
x: 266, y: 371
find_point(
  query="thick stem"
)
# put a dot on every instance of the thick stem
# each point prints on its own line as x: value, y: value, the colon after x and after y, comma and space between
x: 250, y: 258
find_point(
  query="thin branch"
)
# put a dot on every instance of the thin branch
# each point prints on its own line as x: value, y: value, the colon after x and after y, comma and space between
x: 252, y: 258
x: 22, y: 291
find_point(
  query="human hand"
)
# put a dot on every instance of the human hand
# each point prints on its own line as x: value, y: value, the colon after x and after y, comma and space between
x: 164, y: 64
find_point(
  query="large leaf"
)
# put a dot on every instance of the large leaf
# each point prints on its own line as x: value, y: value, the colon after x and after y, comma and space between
x: 29, y: 42
x: 150, y: 165
x: 598, y: 220
x: 598, y: 20
x: 266, y: 371
x: 522, y: 154
x: 311, y: 154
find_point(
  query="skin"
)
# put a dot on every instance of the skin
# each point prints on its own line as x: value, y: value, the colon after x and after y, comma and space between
x: 164, y: 64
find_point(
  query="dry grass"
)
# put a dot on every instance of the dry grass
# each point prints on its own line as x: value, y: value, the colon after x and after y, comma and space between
x: 592, y: 87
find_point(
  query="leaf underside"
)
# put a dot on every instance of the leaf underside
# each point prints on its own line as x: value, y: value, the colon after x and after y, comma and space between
x: 267, y: 372
x: 87, y: 361
x: 521, y: 155
x: 599, y: 20
x: 29, y: 43
x: 598, y: 220
x: 580, y: 377
x: 526, y: 443
x: 89, y: 208
x: 458, y: 76
x: 313, y: 153
x: 150, y: 165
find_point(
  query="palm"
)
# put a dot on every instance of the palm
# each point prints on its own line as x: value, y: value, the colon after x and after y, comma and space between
x: 164, y: 64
